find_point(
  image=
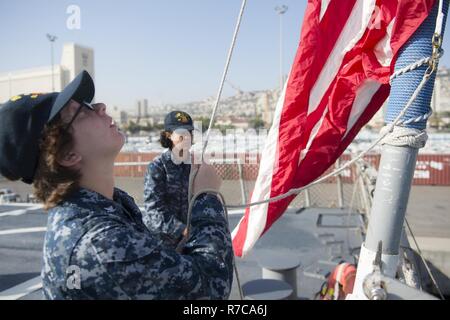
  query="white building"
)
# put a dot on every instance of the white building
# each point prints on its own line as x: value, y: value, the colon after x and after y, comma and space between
x: 441, y: 94
x: 75, y: 59
x: 119, y: 116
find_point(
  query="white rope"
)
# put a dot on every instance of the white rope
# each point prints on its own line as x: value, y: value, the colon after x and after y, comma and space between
x: 225, y: 73
x: 402, y: 136
x: 424, y: 261
x: 410, y: 67
x: 181, y: 244
x: 194, y: 169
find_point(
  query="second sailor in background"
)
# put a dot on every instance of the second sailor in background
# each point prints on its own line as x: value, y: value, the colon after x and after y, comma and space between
x: 166, y: 181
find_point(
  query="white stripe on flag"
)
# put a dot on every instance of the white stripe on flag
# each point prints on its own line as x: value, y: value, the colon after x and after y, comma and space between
x: 323, y: 8
x: 364, y: 95
x: 257, y: 216
x: 312, y: 136
x: 352, y: 32
x: 383, y: 49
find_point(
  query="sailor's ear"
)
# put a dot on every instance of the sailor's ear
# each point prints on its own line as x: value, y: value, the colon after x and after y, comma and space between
x: 69, y: 159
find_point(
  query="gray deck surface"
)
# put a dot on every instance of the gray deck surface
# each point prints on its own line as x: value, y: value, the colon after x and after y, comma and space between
x: 319, y: 249
x: 294, y: 234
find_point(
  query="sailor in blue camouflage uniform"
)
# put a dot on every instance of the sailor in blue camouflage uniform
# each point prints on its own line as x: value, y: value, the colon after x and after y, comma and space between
x: 96, y: 245
x: 116, y: 257
x: 166, y: 181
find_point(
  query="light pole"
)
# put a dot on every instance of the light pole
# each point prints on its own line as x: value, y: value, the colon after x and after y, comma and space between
x: 9, y: 82
x: 281, y: 10
x: 52, y: 39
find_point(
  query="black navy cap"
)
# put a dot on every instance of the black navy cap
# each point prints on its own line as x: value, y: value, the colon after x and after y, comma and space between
x: 81, y: 89
x: 178, y: 120
x: 22, y: 121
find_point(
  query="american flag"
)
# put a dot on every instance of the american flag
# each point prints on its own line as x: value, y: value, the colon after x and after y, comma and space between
x: 338, y: 81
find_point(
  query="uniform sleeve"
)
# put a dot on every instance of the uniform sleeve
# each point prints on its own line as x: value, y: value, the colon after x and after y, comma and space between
x: 138, y: 266
x: 158, y: 215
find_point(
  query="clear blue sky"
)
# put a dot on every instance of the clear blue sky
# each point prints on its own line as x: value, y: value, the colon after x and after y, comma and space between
x: 168, y: 51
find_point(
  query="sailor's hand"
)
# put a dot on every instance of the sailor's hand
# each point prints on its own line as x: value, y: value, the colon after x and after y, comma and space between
x: 207, y: 178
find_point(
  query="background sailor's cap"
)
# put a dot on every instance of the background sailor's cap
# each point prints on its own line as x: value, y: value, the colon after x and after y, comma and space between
x: 178, y: 120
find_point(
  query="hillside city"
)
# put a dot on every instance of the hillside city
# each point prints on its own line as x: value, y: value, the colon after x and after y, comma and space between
x: 254, y: 109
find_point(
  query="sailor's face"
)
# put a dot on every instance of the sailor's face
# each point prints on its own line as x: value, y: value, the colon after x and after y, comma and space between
x: 181, y: 136
x: 182, y: 142
x: 95, y: 133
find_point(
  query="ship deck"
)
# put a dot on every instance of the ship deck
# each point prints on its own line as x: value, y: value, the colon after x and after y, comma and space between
x: 318, y: 247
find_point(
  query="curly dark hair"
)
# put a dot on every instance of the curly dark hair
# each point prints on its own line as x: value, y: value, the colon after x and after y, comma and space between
x: 54, y: 182
x: 165, y: 139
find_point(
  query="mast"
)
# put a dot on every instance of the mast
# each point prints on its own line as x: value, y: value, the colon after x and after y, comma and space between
x: 380, y: 251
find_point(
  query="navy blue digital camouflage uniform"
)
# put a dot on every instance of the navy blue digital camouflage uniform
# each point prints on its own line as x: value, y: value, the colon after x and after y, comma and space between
x: 117, y: 257
x: 166, y: 196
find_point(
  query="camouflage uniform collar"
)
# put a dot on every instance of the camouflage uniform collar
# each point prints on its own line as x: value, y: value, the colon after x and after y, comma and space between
x: 92, y: 200
x: 98, y: 197
x: 168, y: 155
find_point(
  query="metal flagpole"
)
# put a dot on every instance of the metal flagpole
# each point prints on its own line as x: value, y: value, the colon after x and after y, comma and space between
x: 380, y: 251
